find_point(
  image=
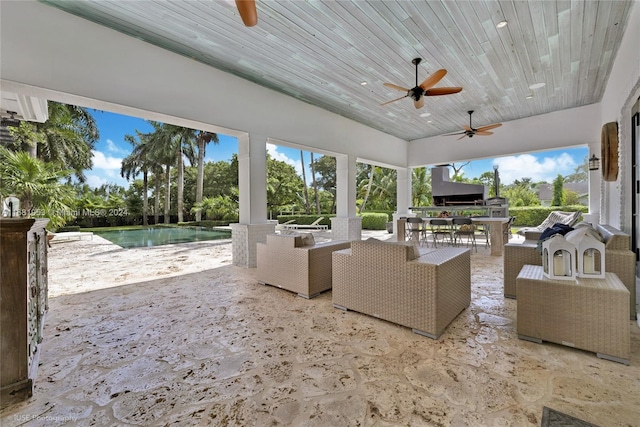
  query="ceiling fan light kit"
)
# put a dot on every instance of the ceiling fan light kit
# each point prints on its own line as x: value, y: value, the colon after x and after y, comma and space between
x: 423, y: 89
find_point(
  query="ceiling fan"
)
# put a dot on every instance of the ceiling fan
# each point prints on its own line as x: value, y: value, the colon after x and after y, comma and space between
x: 470, y: 130
x: 425, y: 88
x: 247, y: 11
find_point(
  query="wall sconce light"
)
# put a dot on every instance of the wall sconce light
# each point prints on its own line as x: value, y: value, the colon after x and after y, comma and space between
x: 10, y: 121
x: 594, y: 163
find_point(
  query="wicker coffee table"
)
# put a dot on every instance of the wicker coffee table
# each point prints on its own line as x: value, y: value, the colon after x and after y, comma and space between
x: 589, y: 314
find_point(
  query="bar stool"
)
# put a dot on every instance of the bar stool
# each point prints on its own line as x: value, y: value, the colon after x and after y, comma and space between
x: 416, y: 230
x: 464, y: 227
x: 440, y: 227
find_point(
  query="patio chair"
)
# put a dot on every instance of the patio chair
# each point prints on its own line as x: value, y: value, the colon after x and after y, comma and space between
x: 482, y: 230
x: 416, y: 230
x: 507, y: 229
x: 440, y: 228
x: 67, y: 235
x: 283, y: 225
x: 315, y: 225
x: 464, y: 227
x: 566, y: 218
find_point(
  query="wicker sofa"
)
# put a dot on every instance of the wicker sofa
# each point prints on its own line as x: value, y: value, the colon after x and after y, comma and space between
x: 619, y: 259
x: 296, y: 263
x: 422, y: 289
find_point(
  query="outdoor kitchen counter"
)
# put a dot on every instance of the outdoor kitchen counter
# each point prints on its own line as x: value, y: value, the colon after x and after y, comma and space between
x: 496, y: 234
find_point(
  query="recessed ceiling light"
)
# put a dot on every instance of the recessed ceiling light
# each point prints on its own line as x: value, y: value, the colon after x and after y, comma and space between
x: 425, y: 114
x: 529, y: 96
x: 501, y: 24
x: 429, y: 121
x: 363, y: 83
x: 537, y: 86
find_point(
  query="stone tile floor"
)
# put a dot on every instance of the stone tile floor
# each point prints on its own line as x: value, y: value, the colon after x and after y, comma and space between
x: 213, y: 347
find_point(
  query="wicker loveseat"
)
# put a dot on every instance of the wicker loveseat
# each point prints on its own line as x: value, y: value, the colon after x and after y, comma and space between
x: 619, y: 259
x: 296, y: 263
x: 422, y: 290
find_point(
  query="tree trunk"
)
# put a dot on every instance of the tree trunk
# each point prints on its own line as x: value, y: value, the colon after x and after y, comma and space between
x: 180, y: 185
x: 304, y: 180
x: 200, y: 181
x: 457, y: 169
x: 366, y: 196
x: 167, y: 194
x: 145, y: 197
x: 156, y: 204
x: 32, y: 149
x: 315, y: 186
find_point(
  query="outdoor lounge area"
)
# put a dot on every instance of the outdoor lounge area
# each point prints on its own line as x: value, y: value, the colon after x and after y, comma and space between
x: 215, y: 347
x: 188, y: 334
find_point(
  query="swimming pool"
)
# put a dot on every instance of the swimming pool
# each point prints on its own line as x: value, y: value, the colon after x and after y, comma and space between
x: 147, y: 237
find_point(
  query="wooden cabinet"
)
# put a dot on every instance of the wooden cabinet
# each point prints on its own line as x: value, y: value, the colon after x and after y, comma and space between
x: 23, y: 304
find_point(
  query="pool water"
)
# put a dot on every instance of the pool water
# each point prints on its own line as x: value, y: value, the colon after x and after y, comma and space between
x: 151, y: 236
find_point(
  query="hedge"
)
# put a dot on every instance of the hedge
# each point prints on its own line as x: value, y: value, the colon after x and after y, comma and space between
x: 370, y: 220
x: 532, y: 216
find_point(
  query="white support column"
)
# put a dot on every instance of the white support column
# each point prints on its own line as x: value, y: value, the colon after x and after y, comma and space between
x: 252, y: 182
x: 346, y: 225
x: 403, y: 195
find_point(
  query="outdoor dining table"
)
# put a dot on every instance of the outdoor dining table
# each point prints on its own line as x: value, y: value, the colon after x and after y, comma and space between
x: 496, y: 232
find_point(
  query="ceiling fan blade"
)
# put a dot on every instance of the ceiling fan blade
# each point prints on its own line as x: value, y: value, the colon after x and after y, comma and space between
x: 463, y: 136
x: 419, y: 103
x: 455, y: 133
x: 434, y: 78
x: 437, y: 91
x: 483, y: 128
x: 467, y: 128
x: 393, y: 100
x: 247, y: 11
x: 396, y: 87
x: 484, y: 133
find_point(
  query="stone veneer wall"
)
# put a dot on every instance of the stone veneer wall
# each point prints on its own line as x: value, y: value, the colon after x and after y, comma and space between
x: 346, y: 228
x: 244, y: 238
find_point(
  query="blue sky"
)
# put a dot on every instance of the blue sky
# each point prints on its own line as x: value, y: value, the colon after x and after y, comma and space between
x: 112, y: 148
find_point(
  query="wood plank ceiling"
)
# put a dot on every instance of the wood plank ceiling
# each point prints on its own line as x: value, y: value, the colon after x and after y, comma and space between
x: 321, y: 51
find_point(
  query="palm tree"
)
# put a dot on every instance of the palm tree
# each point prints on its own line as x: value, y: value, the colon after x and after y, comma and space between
x: 67, y: 137
x: 37, y: 185
x: 369, y: 184
x: 168, y: 145
x: 202, y: 139
x: 304, y: 180
x: 314, y: 184
x: 139, y: 161
x: 421, y: 187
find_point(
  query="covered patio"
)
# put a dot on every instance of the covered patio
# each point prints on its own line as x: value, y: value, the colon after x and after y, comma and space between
x: 214, y: 347
x: 107, y: 69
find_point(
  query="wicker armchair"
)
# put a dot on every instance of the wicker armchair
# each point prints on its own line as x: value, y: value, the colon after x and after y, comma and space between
x: 286, y: 262
x: 619, y: 259
x: 424, y: 291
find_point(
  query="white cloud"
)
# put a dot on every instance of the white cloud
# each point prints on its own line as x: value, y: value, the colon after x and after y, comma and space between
x: 112, y: 147
x: 106, y: 169
x: 100, y: 161
x: 94, y: 181
x: 529, y: 166
x: 273, y: 151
